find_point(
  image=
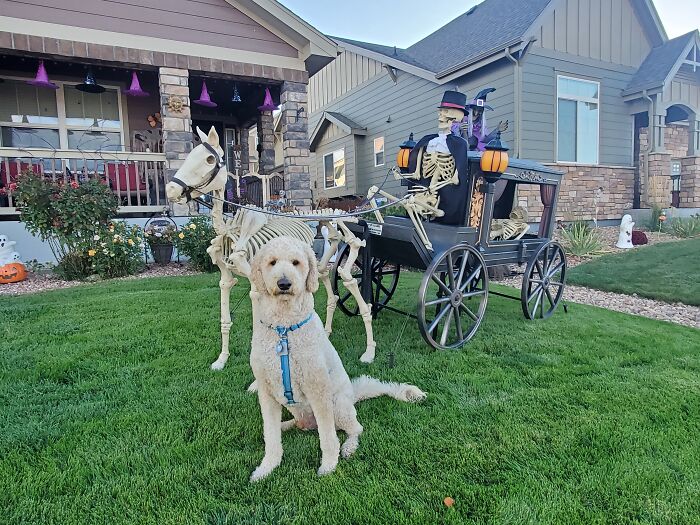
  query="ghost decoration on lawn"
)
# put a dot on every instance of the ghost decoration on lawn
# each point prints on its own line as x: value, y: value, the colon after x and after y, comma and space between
x: 11, y: 268
x: 624, y: 241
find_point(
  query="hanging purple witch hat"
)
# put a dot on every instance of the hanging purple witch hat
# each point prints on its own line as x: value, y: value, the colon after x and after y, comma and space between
x: 204, y: 98
x: 135, y: 88
x: 268, y: 104
x: 42, y: 78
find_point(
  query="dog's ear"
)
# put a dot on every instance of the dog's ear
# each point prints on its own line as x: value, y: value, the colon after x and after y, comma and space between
x: 255, y: 277
x: 312, y: 276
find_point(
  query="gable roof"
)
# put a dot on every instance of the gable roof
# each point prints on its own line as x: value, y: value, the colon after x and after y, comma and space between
x: 661, y: 63
x: 340, y: 120
x: 484, y: 30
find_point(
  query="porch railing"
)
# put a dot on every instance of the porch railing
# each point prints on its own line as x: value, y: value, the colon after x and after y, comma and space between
x: 136, y: 178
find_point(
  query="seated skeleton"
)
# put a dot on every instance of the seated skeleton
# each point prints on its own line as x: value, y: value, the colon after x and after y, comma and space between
x: 512, y: 228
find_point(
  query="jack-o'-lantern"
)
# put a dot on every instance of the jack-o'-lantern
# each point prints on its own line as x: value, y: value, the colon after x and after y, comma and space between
x: 12, y: 273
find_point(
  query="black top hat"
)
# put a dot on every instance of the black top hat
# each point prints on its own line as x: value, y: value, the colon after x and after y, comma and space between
x: 480, y: 99
x: 454, y: 100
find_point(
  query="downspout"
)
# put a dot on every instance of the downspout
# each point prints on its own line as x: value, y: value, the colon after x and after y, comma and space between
x: 650, y: 144
x: 516, y: 99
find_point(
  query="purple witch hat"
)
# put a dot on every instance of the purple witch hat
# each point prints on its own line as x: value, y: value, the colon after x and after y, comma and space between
x: 204, y: 98
x: 135, y: 88
x: 42, y: 78
x: 268, y: 104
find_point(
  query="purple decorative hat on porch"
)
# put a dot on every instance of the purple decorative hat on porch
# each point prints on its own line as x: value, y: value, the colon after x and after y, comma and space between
x: 135, y: 88
x: 204, y: 98
x: 42, y: 78
x: 268, y: 104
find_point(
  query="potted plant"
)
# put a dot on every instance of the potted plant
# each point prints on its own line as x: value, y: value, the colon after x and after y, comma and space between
x: 160, y: 236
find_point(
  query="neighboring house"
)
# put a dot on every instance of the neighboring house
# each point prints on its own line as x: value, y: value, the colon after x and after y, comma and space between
x: 580, y: 81
x: 135, y: 143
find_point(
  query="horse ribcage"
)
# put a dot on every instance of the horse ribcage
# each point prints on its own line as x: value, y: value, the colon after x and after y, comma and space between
x: 276, y: 227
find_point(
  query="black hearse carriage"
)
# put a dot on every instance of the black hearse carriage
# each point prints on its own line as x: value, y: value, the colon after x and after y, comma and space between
x: 454, y: 289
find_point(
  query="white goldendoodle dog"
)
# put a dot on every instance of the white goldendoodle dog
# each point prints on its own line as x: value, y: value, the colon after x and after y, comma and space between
x: 294, y: 363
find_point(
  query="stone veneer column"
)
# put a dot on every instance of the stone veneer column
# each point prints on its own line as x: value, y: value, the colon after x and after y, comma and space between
x: 267, y: 139
x: 295, y: 143
x: 658, y: 190
x: 177, y: 125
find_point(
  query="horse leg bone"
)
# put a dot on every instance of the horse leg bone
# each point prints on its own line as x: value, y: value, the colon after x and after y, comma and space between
x: 350, y: 283
x: 334, y: 238
x: 226, y: 282
x: 373, y: 203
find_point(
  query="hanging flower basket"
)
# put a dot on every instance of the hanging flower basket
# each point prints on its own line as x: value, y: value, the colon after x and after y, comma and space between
x: 160, y: 234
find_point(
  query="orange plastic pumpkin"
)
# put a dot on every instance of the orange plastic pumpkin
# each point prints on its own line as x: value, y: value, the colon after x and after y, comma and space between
x: 12, y: 273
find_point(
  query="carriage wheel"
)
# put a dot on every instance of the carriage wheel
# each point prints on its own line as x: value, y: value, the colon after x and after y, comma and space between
x: 452, y: 297
x: 385, y: 278
x: 543, y: 282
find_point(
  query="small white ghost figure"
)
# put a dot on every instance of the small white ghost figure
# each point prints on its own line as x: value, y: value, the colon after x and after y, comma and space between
x: 625, y: 239
x: 6, y: 250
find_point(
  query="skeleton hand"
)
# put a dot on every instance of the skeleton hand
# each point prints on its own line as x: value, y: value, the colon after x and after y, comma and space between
x: 502, y: 126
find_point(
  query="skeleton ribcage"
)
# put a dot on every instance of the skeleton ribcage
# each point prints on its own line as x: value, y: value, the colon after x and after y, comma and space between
x: 276, y: 227
x: 438, y: 166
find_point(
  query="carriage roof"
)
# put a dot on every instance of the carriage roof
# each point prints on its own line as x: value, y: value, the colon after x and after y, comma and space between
x: 523, y: 170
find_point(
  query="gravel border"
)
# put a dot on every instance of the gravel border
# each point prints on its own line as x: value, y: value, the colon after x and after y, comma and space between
x: 42, y: 282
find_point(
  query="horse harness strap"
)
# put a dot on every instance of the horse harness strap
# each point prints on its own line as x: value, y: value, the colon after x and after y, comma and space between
x: 186, y: 189
x: 282, y: 350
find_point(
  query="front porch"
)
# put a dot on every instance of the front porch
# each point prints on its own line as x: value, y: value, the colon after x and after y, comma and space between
x: 136, y: 143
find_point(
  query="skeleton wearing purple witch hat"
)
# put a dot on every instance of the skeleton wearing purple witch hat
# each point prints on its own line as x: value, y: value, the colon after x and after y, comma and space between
x: 475, y: 131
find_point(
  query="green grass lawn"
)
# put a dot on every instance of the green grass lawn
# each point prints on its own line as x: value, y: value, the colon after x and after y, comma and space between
x: 110, y: 415
x: 669, y: 272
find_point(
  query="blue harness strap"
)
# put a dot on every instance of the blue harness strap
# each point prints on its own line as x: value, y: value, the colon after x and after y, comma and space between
x: 282, y: 350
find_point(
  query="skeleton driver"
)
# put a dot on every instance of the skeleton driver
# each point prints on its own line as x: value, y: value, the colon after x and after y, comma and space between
x: 436, y: 164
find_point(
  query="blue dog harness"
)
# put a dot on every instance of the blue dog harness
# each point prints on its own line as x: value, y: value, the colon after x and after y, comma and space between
x: 282, y: 350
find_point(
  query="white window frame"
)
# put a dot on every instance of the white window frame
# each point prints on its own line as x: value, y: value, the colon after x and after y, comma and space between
x: 375, y: 152
x: 61, y: 125
x: 577, y: 99
x: 326, y: 187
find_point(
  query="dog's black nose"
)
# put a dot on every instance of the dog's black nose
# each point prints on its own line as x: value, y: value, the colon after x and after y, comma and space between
x: 284, y: 284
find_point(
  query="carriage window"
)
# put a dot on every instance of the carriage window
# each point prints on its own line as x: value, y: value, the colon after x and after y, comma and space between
x: 379, y: 151
x: 577, y: 120
x: 334, y: 169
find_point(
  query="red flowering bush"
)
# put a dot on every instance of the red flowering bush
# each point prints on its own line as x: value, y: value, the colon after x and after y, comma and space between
x: 67, y: 215
x: 639, y: 238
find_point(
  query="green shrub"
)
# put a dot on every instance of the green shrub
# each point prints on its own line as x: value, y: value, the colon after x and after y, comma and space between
x: 684, y: 228
x: 66, y: 215
x: 116, y: 251
x: 582, y: 240
x: 194, y: 239
x: 654, y: 223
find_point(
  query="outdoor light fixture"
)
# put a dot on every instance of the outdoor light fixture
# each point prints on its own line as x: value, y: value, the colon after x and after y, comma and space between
x: 89, y: 85
x: 494, y: 160
x: 404, y: 152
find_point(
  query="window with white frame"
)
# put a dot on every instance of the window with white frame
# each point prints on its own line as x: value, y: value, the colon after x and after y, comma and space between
x: 379, y: 151
x: 578, y: 113
x: 334, y: 169
x: 65, y: 118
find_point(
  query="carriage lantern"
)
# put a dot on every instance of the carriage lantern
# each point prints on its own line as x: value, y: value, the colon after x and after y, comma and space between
x: 404, y: 152
x: 494, y: 160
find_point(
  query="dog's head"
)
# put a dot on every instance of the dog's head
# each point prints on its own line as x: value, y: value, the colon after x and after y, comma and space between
x: 284, y: 267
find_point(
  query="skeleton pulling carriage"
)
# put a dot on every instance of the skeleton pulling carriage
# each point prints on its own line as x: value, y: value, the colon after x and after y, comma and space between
x: 461, y: 222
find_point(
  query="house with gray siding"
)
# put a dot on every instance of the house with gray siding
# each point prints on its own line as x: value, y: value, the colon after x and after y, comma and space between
x: 592, y: 87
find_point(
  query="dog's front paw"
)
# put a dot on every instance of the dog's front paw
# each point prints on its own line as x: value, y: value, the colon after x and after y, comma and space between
x: 327, y: 468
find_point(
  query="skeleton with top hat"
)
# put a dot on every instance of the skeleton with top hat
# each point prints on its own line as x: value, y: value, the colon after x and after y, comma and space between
x: 436, y: 164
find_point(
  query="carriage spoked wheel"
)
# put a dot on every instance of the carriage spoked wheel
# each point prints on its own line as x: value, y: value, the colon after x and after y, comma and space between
x: 384, y: 278
x: 543, y: 282
x: 452, y: 297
